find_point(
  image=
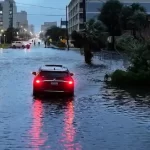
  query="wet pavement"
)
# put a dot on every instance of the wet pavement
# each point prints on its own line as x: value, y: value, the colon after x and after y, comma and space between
x: 97, y: 118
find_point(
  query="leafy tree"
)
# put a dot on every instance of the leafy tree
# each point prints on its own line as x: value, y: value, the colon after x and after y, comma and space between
x: 110, y: 16
x: 11, y: 34
x: 137, y: 22
x: 137, y: 6
x: 77, y: 39
x: 55, y: 33
x: 126, y: 13
x: 24, y: 36
x: 134, y: 18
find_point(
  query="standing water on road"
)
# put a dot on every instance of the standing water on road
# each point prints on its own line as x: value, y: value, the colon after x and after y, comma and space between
x: 98, y: 117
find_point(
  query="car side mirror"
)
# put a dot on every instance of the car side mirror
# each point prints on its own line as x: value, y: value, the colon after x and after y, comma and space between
x: 34, y: 73
x: 71, y: 74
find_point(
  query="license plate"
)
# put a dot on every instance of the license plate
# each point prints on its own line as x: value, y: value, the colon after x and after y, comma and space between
x: 54, y: 83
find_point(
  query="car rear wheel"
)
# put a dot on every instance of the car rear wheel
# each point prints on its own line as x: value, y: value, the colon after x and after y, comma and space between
x: 23, y: 46
x: 13, y: 46
x: 71, y: 93
x: 35, y: 93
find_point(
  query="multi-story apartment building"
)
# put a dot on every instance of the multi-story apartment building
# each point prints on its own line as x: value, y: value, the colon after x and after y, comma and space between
x: 47, y: 25
x: 8, y: 12
x: 93, y: 8
x: 21, y: 19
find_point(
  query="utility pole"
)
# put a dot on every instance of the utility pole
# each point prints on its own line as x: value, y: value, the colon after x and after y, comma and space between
x: 11, y: 13
x: 67, y: 28
x: 60, y: 23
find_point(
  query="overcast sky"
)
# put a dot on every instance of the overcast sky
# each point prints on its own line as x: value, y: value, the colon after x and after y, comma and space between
x: 37, y: 20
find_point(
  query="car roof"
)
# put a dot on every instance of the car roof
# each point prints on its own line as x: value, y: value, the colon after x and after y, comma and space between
x: 56, y: 68
x: 17, y: 41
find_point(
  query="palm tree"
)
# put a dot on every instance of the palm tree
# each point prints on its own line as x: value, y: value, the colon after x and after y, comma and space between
x: 94, y: 30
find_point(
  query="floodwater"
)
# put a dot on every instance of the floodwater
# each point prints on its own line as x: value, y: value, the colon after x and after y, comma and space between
x: 98, y: 117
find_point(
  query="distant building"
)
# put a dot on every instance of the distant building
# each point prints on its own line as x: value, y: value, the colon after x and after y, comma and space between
x: 22, y: 20
x: 93, y: 7
x: 47, y: 25
x: 8, y: 12
x: 31, y: 28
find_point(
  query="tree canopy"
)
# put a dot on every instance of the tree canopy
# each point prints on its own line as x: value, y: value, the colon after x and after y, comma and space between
x: 55, y: 33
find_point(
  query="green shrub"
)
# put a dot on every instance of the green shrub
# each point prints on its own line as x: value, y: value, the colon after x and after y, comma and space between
x: 118, y: 76
x: 126, y: 43
x: 129, y: 78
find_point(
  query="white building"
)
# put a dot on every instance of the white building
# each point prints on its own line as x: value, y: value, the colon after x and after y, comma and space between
x: 8, y: 12
x: 47, y: 25
x: 93, y: 7
x: 22, y: 20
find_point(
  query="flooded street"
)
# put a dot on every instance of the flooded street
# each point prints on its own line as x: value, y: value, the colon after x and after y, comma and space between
x: 97, y: 118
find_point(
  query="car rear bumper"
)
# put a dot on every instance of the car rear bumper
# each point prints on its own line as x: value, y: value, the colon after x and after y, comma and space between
x: 51, y: 91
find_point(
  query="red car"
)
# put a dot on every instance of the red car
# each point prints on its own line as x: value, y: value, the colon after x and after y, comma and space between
x: 53, y: 79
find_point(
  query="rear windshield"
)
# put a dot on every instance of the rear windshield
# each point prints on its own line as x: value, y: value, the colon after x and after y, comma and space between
x: 54, y: 74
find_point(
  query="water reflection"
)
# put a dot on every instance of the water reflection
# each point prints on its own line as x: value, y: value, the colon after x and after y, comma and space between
x: 69, y: 131
x: 37, y: 138
x: 27, y: 50
x: 53, y: 118
x: 129, y: 100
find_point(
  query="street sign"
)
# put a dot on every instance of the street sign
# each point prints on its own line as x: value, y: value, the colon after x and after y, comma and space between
x: 63, y: 23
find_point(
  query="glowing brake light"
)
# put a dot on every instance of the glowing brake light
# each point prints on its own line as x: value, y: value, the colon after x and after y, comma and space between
x: 38, y: 81
x: 70, y: 82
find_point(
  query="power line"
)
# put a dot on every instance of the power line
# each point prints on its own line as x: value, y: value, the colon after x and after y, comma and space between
x: 48, y: 15
x: 39, y: 6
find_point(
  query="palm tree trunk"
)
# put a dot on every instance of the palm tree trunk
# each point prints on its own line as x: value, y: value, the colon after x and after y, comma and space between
x: 87, y: 53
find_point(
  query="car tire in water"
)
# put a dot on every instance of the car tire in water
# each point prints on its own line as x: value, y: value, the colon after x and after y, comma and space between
x: 71, y: 93
x: 13, y: 46
x: 23, y: 46
x: 35, y: 93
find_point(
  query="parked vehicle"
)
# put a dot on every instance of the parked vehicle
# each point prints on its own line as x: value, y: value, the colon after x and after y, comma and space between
x: 53, y: 79
x: 18, y: 44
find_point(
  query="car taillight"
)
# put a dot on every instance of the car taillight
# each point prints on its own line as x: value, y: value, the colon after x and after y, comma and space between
x: 70, y: 82
x: 38, y: 81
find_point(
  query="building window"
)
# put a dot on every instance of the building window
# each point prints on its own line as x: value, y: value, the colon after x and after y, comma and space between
x: 1, y: 23
x: 10, y: 12
x: 81, y: 5
x: 1, y: 12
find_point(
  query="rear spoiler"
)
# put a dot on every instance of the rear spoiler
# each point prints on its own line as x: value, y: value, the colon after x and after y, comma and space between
x: 54, y: 65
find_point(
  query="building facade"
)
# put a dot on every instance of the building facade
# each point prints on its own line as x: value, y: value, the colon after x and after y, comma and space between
x: 22, y: 20
x: 47, y: 25
x: 8, y: 12
x: 31, y: 28
x: 93, y: 7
